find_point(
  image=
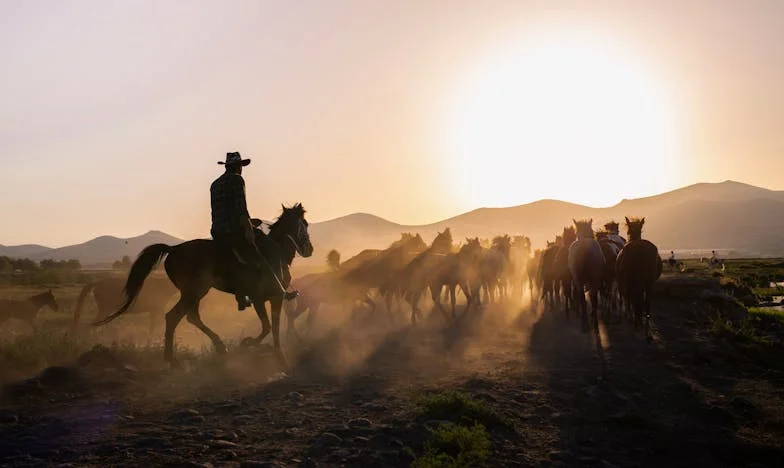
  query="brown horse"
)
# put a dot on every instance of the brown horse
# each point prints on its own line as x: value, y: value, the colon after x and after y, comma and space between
x: 494, y: 266
x: 532, y: 270
x: 417, y: 276
x: 351, y: 283
x: 609, y: 289
x: 586, y: 263
x: 457, y: 269
x: 27, y: 309
x: 520, y: 256
x: 562, y: 273
x: 547, y: 273
x: 638, y: 267
x: 108, y: 295
x: 196, y: 266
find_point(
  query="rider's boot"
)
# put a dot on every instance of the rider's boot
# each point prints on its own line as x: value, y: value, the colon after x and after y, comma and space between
x: 242, y: 301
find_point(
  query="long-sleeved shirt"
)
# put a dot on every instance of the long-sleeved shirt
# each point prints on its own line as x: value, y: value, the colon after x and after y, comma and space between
x: 229, y: 208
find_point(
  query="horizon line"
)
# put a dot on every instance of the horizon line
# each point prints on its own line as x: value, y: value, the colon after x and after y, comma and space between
x: 579, y: 205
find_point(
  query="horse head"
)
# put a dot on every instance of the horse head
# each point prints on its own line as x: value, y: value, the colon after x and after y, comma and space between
x: 471, y: 250
x: 443, y: 242
x: 583, y: 228
x: 47, y: 299
x: 634, y: 227
x: 503, y: 244
x: 415, y: 244
x: 291, y: 225
x: 568, y: 236
x: 611, y: 227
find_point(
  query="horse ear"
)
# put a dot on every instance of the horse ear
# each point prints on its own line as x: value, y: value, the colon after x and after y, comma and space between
x: 642, y: 221
x: 627, y: 219
x: 590, y: 221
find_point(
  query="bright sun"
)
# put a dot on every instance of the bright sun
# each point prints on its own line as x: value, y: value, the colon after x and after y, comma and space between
x: 565, y: 116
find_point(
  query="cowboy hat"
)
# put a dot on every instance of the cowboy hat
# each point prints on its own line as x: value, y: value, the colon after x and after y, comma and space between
x: 234, y: 158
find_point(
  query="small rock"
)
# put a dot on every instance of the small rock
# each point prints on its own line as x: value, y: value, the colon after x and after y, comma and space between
x: 243, y: 419
x: 360, y: 422
x: 328, y: 439
x: 188, y: 416
x: 195, y: 464
x: 373, y: 406
x: 219, y: 443
x: 257, y: 464
x: 294, y: 396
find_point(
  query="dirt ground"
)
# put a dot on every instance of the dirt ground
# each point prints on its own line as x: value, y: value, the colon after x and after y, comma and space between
x: 568, y: 398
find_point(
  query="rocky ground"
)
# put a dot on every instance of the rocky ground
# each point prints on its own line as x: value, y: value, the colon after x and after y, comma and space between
x: 550, y: 395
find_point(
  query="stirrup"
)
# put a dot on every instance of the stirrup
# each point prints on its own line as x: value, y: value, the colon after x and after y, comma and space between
x: 290, y: 295
x: 243, y: 303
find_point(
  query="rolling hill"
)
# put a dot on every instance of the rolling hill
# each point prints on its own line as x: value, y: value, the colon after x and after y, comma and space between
x: 728, y: 216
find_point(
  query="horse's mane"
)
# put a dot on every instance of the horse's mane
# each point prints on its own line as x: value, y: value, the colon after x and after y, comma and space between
x: 297, y: 210
x: 404, y: 237
x: 583, y: 227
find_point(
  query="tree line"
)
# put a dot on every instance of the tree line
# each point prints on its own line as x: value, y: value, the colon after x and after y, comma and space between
x: 10, y: 265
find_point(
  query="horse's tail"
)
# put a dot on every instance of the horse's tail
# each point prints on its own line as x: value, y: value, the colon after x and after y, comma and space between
x: 87, y: 289
x: 141, y: 268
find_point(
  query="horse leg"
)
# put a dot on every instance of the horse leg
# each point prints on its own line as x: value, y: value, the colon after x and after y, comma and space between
x: 414, y: 301
x: 261, y: 311
x: 276, y: 304
x: 291, y: 317
x: 453, y: 300
x: 388, y: 303
x: 195, y: 320
x: 647, y: 307
x: 435, y: 294
x: 594, y: 294
x: 173, y: 318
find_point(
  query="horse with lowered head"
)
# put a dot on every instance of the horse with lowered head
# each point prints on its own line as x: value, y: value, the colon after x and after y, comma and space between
x: 638, y: 267
x: 196, y: 266
x: 586, y: 263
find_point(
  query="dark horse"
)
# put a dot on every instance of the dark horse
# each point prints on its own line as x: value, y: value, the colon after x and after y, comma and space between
x: 108, y: 295
x: 26, y: 309
x: 638, y: 267
x: 198, y: 265
x: 562, y: 272
x: 586, y: 263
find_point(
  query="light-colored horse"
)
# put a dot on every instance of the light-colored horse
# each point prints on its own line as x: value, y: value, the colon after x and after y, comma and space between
x: 586, y: 263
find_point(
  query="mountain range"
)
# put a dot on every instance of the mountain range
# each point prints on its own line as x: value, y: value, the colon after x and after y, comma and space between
x: 732, y: 217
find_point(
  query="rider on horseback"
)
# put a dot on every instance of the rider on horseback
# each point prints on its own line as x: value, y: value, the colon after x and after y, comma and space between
x: 231, y: 222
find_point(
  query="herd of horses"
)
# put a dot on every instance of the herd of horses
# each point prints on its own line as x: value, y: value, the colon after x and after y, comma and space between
x: 615, y: 273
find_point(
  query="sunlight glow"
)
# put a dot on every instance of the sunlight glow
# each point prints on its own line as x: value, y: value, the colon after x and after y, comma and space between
x: 560, y: 115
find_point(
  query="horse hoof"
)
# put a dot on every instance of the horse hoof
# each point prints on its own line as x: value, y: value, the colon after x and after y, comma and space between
x: 248, y: 342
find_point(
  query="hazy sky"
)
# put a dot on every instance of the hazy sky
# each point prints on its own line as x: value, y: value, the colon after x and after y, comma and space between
x: 114, y: 113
